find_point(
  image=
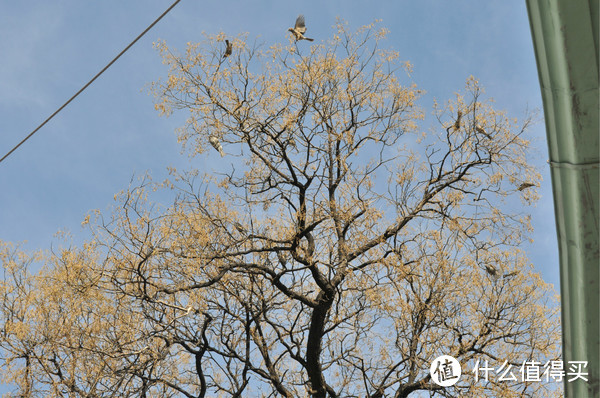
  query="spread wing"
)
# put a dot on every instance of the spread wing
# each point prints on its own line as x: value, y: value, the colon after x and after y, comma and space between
x: 300, y: 26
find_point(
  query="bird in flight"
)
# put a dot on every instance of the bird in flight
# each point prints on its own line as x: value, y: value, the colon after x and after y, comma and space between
x: 227, y: 49
x: 299, y: 29
x: 214, y: 141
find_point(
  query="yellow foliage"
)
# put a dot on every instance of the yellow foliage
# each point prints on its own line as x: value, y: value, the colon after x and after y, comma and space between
x: 344, y: 249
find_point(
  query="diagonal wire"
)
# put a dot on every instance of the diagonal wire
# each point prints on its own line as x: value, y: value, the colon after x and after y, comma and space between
x: 91, y: 81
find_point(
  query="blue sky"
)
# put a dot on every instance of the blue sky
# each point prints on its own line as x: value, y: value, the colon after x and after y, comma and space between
x: 92, y: 149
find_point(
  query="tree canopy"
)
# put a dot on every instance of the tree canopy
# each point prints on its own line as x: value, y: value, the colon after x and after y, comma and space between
x: 338, y: 254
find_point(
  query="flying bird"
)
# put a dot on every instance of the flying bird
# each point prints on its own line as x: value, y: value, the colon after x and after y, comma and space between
x: 227, y: 49
x: 299, y: 29
x: 214, y: 141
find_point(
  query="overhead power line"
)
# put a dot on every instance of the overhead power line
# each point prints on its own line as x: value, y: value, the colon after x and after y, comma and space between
x: 91, y: 81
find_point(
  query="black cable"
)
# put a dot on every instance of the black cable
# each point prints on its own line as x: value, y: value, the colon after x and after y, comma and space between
x: 92, y: 80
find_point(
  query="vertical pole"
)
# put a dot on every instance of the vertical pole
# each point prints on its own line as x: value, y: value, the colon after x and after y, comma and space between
x: 565, y: 38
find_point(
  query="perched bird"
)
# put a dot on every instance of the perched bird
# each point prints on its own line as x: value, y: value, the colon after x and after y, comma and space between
x: 282, y: 259
x: 510, y: 274
x: 491, y: 270
x: 525, y: 185
x: 214, y: 141
x: 299, y: 29
x: 457, y: 122
x: 239, y: 227
x: 481, y: 130
x: 228, y: 49
x: 292, y: 142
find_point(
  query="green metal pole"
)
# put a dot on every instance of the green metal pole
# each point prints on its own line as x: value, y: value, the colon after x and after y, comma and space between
x: 565, y: 38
